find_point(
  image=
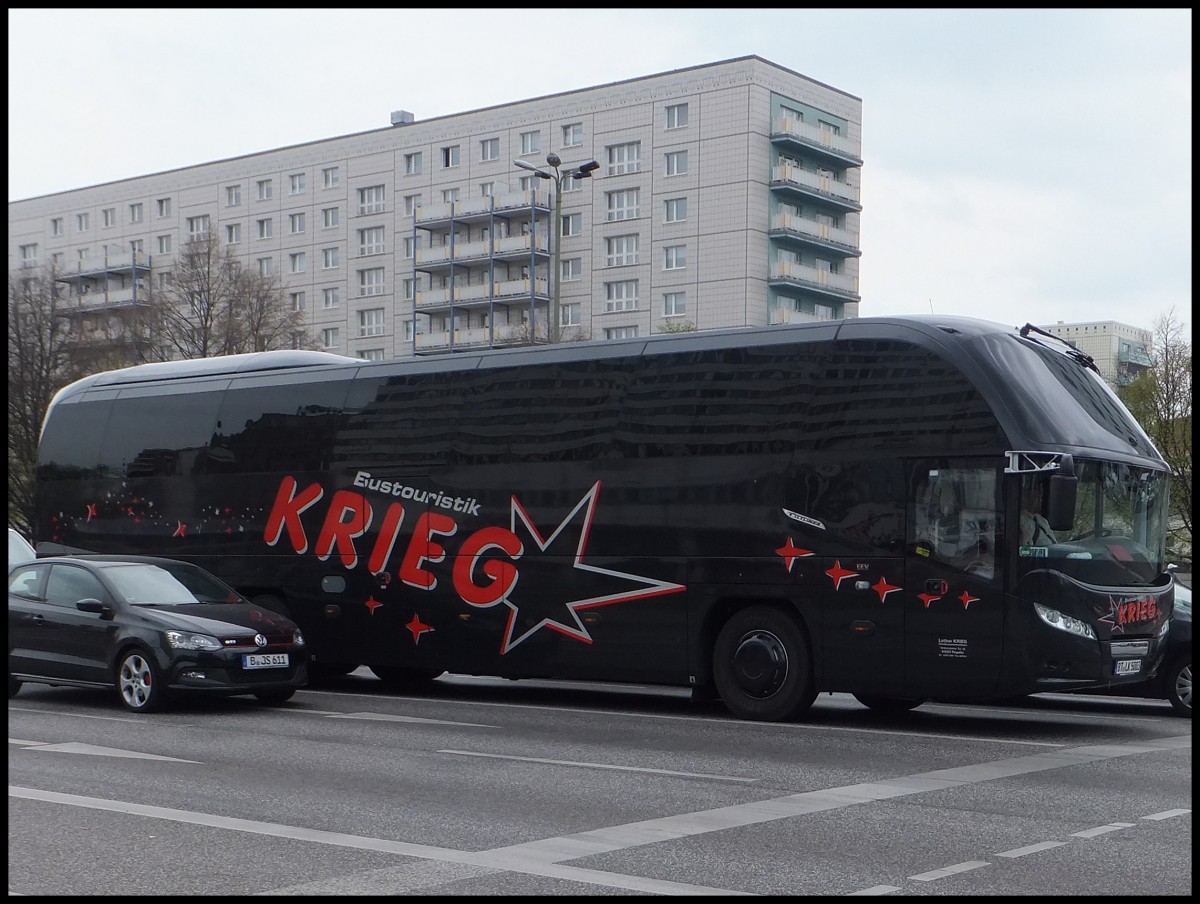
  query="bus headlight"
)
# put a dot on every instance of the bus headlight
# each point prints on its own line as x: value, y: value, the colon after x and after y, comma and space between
x: 1056, y: 619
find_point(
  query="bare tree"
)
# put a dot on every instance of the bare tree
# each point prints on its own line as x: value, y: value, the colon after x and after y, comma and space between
x: 264, y: 319
x: 39, y: 364
x: 1161, y: 400
x: 195, y: 315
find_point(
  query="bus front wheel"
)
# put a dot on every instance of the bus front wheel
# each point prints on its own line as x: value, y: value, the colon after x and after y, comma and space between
x: 762, y: 667
x: 889, y: 704
x: 402, y: 679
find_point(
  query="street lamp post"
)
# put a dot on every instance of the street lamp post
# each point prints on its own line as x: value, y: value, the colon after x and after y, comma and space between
x: 580, y: 171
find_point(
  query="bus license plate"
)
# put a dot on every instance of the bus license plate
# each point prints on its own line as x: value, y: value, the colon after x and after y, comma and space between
x: 1127, y: 666
x: 273, y: 661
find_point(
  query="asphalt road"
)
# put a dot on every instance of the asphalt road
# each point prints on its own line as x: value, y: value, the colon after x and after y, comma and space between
x: 488, y: 787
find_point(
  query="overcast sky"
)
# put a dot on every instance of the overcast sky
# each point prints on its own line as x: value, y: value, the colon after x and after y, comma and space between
x: 1020, y: 165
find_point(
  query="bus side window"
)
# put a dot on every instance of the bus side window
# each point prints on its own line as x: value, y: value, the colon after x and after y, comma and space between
x: 955, y: 512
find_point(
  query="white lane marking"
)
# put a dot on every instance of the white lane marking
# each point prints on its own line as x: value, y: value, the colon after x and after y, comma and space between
x: 945, y: 871
x: 94, y: 750
x: 1031, y: 849
x: 532, y: 759
x: 387, y: 717
x: 1102, y: 830
x: 875, y: 890
x: 1167, y: 814
x: 133, y: 720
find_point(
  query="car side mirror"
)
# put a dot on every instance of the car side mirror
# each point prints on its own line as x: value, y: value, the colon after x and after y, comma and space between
x: 94, y: 605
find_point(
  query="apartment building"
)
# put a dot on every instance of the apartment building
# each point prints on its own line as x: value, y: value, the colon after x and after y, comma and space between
x: 719, y: 195
x: 1120, y: 351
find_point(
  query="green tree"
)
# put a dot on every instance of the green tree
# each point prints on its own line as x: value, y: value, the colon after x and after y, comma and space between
x: 1161, y: 400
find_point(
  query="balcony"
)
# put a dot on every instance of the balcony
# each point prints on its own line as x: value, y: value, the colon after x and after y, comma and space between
x: 790, y: 132
x: 511, y: 248
x: 480, y: 210
x: 480, y: 295
x: 780, y: 316
x: 461, y: 340
x: 812, y: 232
x: 789, y: 276
x: 809, y: 185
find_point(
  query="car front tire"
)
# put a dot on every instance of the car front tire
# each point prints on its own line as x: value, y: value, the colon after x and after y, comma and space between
x: 1179, y: 685
x: 13, y: 686
x: 275, y: 698
x: 138, y: 683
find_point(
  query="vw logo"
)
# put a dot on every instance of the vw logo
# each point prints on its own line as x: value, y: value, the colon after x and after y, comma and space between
x: 260, y: 640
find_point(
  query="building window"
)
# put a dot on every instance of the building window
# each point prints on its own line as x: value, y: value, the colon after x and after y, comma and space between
x: 449, y: 195
x: 822, y: 311
x: 29, y: 254
x: 330, y: 337
x: 329, y: 258
x: 487, y: 189
x: 450, y: 156
x: 675, y: 257
x: 296, y: 223
x: 572, y: 269
x: 265, y: 228
x: 531, y: 142
x: 197, y: 227
x: 622, y: 205
x: 297, y: 262
x: 135, y: 213
x: 408, y: 289
x: 570, y: 315
x: 622, y: 250
x: 163, y: 206
x: 621, y: 296
x: 233, y: 195
x: 624, y: 158
x: 370, y: 282
x: 330, y: 297
x: 370, y: 241
x: 572, y: 224
x: 677, y: 116
x: 83, y: 222
x: 525, y: 183
x: 329, y: 217
x: 676, y: 163
x: 371, y: 323
x: 371, y: 199
x: 297, y: 300
x: 266, y: 266
x: 412, y: 164
x: 56, y: 226
x: 621, y: 332
x: 410, y: 245
x: 265, y: 189
x: 296, y: 184
x: 109, y: 216
x: 411, y: 203
x: 233, y: 233
x: 828, y: 128
x: 676, y: 210
x: 570, y: 185
x: 164, y: 244
x: 371, y: 354
x: 83, y: 254
x: 331, y: 177
x: 572, y: 135
x: 674, y: 304
x: 56, y: 259
x: 489, y: 149
x: 164, y: 282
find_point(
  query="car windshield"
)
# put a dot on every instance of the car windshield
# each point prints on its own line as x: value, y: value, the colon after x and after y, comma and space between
x: 155, y: 585
x: 19, y: 551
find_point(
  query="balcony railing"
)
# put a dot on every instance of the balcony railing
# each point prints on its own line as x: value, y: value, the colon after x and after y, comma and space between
x: 787, y: 174
x: 507, y: 291
x: 814, y: 277
x: 802, y: 226
x: 814, y: 136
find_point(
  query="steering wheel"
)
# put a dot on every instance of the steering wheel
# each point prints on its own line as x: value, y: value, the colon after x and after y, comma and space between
x: 1098, y: 532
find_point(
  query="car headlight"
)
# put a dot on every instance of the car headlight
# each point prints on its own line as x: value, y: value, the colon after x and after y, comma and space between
x: 182, y: 640
x: 298, y: 638
x: 1056, y: 619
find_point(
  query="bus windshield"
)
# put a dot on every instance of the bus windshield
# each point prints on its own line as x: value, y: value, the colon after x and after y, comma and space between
x: 1117, y: 538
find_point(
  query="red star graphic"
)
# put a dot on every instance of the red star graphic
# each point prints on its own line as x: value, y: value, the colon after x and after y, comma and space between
x: 837, y: 572
x: 927, y: 598
x: 418, y: 628
x: 791, y: 553
x: 883, y: 588
x: 180, y: 529
x: 91, y: 509
x: 372, y: 604
x: 537, y: 611
x: 967, y: 599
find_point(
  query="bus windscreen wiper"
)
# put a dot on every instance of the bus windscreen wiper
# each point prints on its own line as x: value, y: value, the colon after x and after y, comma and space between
x: 1071, y: 350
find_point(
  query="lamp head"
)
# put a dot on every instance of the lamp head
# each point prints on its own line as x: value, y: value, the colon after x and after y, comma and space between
x: 553, y: 159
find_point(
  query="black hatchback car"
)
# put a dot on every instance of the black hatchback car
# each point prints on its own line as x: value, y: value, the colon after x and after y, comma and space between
x: 151, y: 628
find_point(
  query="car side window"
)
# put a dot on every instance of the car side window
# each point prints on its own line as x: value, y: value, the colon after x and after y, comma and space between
x: 27, y: 581
x: 68, y: 585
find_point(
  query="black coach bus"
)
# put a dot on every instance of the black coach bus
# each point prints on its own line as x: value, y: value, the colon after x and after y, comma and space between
x: 899, y: 508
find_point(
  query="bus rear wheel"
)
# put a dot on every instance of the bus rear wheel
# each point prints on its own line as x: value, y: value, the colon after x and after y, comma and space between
x: 762, y: 667
x: 397, y: 678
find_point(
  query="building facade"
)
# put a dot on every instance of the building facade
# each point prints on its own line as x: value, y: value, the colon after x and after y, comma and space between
x: 724, y: 195
x: 1120, y: 351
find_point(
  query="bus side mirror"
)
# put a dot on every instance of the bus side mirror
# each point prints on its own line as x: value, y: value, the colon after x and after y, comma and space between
x: 1060, y: 506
